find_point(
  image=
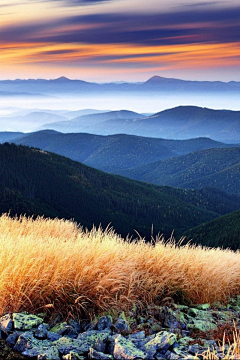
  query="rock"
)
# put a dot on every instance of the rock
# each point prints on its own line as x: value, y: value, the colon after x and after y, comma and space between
x: 6, y: 323
x: 104, y: 322
x: 73, y: 356
x: 111, y: 344
x: 24, y: 321
x: 195, y: 349
x: 42, y: 331
x: 59, y: 328
x: 66, y: 345
x: 53, y: 336
x: 24, y: 341
x: 171, y: 356
x: 202, y: 325
x: 202, y: 306
x: 12, y: 338
x: 125, y: 349
x: 49, y: 353
x: 93, y: 354
x: 155, y: 328
x: 137, y: 336
x: 161, y: 343
x: 95, y: 339
x: 121, y: 326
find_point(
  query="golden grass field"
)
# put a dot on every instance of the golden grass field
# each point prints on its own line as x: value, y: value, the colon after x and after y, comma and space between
x: 55, y: 265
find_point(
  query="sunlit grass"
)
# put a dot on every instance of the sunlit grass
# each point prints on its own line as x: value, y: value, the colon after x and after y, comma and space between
x: 53, y: 264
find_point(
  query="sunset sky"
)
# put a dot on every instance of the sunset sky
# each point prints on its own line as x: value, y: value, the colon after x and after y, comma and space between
x: 130, y: 40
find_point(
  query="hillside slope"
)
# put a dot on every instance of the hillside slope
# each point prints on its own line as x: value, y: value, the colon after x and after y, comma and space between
x: 88, y: 123
x: 218, y: 168
x: 221, y: 232
x: 182, y: 122
x: 36, y: 182
x: 114, y: 152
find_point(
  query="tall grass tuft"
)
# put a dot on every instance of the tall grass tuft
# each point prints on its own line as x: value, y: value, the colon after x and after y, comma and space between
x: 55, y: 265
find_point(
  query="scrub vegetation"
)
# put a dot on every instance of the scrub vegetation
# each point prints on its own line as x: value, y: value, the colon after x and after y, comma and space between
x: 55, y: 266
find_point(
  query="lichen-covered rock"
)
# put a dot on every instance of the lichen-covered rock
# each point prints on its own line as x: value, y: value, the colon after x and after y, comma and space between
x: 97, y: 355
x: 161, y: 343
x: 73, y: 356
x: 12, y: 338
x: 6, y: 323
x: 202, y: 325
x: 59, y: 328
x: 104, y: 322
x: 125, y: 349
x: 48, y: 352
x: 171, y: 356
x: 41, y: 332
x: 95, y: 339
x: 202, y: 306
x: 137, y: 336
x: 51, y: 336
x: 24, y: 321
x: 66, y: 345
x: 121, y: 326
x: 27, y: 341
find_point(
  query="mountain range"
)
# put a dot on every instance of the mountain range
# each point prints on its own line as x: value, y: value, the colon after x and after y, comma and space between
x: 182, y: 122
x: 154, y: 84
x: 114, y: 152
x: 36, y: 182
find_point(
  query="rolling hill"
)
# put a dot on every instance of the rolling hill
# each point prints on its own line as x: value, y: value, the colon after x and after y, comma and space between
x: 221, y: 232
x: 182, y: 122
x: 35, y: 182
x: 88, y: 123
x: 115, y: 152
x: 218, y: 168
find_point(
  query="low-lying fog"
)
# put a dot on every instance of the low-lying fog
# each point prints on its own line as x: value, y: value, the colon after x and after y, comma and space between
x: 14, y: 110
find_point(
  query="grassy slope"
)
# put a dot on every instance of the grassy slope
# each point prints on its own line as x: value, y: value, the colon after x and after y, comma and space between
x: 35, y: 182
x: 217, y: 168
x: 53, y: 263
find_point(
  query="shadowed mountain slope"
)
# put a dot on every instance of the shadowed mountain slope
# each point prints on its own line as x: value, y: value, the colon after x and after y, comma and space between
x: 36, y: 183
x: 218, y: 168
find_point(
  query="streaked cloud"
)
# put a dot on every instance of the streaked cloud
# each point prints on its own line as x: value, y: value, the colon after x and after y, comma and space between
x: 200, y: 34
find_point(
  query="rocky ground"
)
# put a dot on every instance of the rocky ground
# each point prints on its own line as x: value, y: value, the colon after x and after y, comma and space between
x: 169, y: 331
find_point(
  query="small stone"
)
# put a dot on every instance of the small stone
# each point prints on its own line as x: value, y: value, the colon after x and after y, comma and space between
x: 52, y: 336
x: 161, y: 343
x: 93, y: 354
x: 12, y: 338
x: 171, y: 356
x: 41, y: 332
x: 155, y: 328
x: 6, y: 323
x: 73, y: 356
x: 59, y: 328
x: 121, y: 327
x: 24, y: 341
x: 104, y: 322
x: 202, y: 306
x: 137, y: 336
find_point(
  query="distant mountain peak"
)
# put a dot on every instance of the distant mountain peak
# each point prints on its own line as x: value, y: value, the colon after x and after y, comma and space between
x: 62, y: 78
x: 156, y: 78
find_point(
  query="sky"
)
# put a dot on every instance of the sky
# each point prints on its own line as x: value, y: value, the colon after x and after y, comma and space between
x: 120, y: 40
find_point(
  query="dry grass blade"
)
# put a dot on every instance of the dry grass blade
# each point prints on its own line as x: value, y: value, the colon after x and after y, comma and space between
x: 55, y: 262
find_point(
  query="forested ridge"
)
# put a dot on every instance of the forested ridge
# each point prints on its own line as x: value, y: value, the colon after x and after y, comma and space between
x: 35, y: 182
